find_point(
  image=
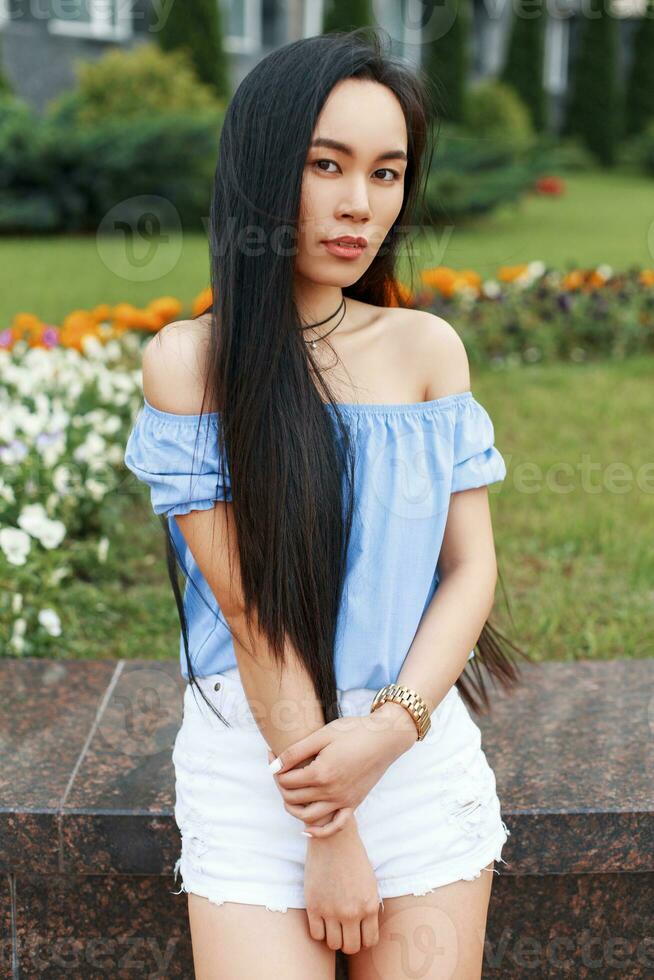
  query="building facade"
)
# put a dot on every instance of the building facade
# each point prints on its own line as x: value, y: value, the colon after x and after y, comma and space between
x: 42, y: 39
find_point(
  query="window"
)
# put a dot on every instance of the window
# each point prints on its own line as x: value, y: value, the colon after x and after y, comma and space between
x: 557, y: 36
x: 241, y: 22
x: 109, y: 20
x: 403, y: 20
x: 312, y: 17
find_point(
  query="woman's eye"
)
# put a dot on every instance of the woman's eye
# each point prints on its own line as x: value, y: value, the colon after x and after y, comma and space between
x: 394, y: 173
x: 318, y: 162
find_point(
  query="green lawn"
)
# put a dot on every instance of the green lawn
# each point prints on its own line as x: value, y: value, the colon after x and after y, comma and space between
x: 603, y: 218
x: 574, y: 545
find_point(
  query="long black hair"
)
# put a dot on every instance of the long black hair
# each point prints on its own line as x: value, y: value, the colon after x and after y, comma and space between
x: 291, y: 480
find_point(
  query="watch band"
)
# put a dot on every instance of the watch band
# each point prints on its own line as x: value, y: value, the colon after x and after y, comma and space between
x: 409, y: 699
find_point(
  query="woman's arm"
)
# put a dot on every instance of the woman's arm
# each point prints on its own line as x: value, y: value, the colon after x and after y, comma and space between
x: 453, y: 621
x: 467, y: 569
x: 283, y: 703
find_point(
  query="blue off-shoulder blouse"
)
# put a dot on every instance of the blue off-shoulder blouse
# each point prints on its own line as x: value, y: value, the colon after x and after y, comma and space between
x: 410, y: 458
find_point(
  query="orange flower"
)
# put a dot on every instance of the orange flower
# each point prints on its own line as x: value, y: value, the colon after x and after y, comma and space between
x: 202, y: 301
x: 442, y: 278
x: 75, y: 328
x: 595, y: 278
x: 165, y: 309
x: 101, y: 313
x: 471, y: 278
x: 646, y: 277
x: 509, y: 273
x: 126, y: 315
x: 573, y: 280
x: 26, y: 326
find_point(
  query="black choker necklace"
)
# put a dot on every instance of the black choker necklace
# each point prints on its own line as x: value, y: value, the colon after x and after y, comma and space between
x: 309, y: 326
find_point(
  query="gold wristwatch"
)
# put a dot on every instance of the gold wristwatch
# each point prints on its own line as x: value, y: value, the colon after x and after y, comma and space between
x: 411, y: 700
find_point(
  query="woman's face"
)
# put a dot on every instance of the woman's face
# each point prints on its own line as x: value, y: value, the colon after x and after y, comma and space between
x: 354, y: 189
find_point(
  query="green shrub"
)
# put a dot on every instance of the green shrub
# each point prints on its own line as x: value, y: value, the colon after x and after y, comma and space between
x: 594, y: 108
x: 494, y: 109
x: 58, y: 176
x: 446, y: 56
x: 195, y: 26
x: 639, y: 101
x: 346, y: 15
x: 132, y: 83
x: 523, y: 67
x: 639, y: 150
x: 471, y: 176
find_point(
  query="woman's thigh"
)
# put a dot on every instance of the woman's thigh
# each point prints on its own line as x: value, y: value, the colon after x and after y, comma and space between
x: 235, y: 941
x: 437, y: 936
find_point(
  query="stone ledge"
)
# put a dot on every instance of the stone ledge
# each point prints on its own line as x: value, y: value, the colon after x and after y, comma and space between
x: 87, y: 782
x: 88, y: 838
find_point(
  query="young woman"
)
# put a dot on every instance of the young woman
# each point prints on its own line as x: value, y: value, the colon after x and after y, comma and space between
x: 322, y: 465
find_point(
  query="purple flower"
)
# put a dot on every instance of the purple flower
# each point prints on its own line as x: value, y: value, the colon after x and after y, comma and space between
x: 50, y: 337
x: 5, y: 338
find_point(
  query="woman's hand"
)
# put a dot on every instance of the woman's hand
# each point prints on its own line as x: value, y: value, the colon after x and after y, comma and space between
x: 351, y: 754
x: 341, y: 891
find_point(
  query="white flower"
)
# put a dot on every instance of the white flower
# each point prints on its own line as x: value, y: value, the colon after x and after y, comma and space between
x: 96, y: 489
x: 34, y: 519
x: 14, y: 452
x: 7, y: 493
x: 103, y: 548
x: 92, y: 347
x: 491, y: 288
x: 91, y: 451
x: 61, y: 479
x: 20, y: 625
x: 31, y: 517
x: 17, y: 642
x: 15, y: 545
x: 50, y: 621
x: 16, y: 602
x: 52, y: 534
x: 536, y: 269
x: 58, y: 574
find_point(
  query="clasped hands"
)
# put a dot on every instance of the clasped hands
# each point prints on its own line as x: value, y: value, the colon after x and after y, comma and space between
x: 349, y: 755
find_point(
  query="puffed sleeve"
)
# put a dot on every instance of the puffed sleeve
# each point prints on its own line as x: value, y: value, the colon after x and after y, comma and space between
x: 476, y: 460
x: 177, y: 457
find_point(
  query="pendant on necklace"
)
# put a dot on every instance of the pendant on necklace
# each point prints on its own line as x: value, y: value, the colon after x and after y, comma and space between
x: 313, y: 345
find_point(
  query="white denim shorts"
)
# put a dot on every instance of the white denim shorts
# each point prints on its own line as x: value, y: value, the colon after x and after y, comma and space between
x: 431, y: 819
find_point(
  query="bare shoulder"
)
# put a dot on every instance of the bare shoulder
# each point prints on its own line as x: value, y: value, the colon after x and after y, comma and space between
x: 174, y: 366
x: 440, y: 355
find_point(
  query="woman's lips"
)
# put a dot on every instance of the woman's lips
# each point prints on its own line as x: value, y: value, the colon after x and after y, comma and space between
x: 344, y: 251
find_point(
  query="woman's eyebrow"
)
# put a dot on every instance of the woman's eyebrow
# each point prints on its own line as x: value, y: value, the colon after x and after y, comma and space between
x: 348, y: 151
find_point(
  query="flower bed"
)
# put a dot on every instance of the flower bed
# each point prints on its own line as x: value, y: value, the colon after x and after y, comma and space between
x: 528, y: 313
x: 64, y: 418
x: 525, y: 313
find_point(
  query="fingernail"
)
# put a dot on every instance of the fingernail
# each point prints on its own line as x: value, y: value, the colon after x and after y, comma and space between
x: 306, y: 833
x: 275, y: 765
